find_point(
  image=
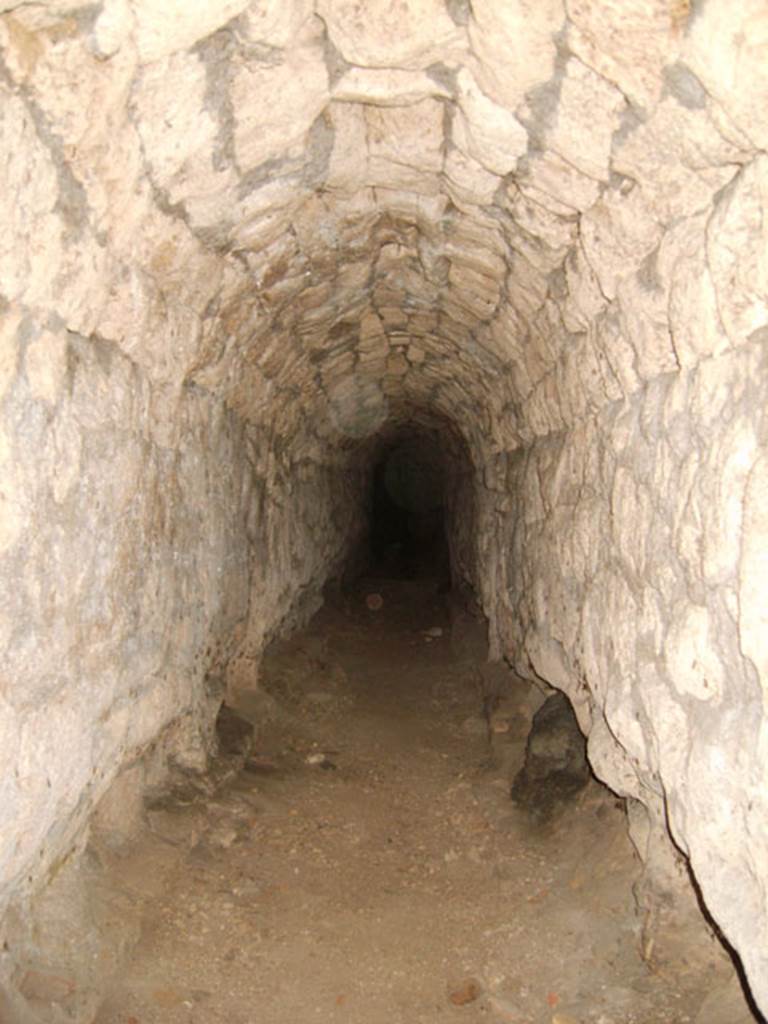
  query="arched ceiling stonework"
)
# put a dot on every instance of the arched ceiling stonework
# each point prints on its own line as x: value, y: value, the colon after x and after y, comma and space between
x: 505, y: 208
x: 422, y: 215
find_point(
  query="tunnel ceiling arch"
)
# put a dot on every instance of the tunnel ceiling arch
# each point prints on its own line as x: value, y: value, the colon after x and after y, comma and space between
x: 500, y: 215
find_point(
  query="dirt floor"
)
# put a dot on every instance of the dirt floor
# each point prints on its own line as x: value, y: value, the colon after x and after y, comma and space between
x: 369, y: 867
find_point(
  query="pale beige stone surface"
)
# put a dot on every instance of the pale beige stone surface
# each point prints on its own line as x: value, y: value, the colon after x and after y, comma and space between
x: 588, y: 106
x: 412, y: 34
x: 515, y: 46
x: 245, y: 243
x: 163, y: 27
x: 753, y: 564
x: 730, y: 56
x: 485, y: 131
x: 628, y: 42
x: 389, y: 87
x: 45, y: 364
x: 274, y: 105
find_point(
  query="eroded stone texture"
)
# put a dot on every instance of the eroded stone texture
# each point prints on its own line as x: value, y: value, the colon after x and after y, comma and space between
x: 244, y: 243
x: 641, y: 626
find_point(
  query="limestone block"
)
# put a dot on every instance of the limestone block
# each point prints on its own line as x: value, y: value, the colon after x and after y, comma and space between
x: 737, y: 252
x: 485, y: 131
x: 687, y: 521
x: 76, y: 93
x: 9, y: 786
x: 627, y: 42
x: 423, y: 323
x: 547, y: 262
x: 589, y: 519
x: 348, y: 164
x: 178, y: 133
x: 137, y: 313
x: 543, y: 409
x: 728, y: 49
x: 618, y: 233
x: 415, y: 290
x: 479, y: 227
x: 164, y: 27
x: 405, y: 146
x: 172, y: 284
x: 274, y: 23
x: 387, y: 87
x: 718, y: 393
x: 515, y: 46
x: 26, y: 41
x: 274, y: 105
x: 474, y: 293
x: 588, y: 113
x: 543, y: 199
x: 679, y: 158
x: 335, y: 373
x: 456, y: 321
x: 421, y: 33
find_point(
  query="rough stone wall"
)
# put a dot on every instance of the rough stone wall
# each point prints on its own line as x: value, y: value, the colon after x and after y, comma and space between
x: 631, y: 575
x: 258, y: 234
x: 132, y: 559
x: 125, y: 571
x: 305, y: 520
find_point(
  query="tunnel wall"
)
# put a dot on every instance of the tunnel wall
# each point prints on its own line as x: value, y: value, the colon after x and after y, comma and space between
x: 631, y: 569
x: 306, y: 521
x: 151, y: 546
x: 150, y: 536
x: 126, y: 566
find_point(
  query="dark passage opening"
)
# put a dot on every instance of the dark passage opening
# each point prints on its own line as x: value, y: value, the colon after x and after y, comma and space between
x: 407, y: 515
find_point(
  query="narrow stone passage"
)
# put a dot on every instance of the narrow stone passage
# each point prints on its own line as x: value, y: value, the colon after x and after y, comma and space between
x: 496, y: 266
x: 368, y: 865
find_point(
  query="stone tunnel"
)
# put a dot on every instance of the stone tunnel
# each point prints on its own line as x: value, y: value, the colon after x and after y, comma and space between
x: 249, y: 247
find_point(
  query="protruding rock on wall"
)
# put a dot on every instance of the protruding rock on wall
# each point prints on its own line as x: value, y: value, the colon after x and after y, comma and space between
x: 245, y: 243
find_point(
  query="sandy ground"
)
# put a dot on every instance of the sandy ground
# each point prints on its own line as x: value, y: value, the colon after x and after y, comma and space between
x: 368, y: 866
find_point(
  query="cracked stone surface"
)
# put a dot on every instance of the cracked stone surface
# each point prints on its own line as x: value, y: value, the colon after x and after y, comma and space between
x: 245, y: 243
